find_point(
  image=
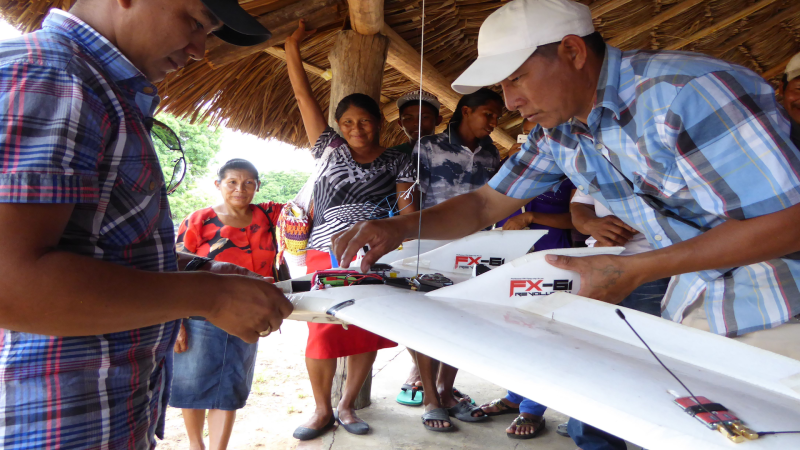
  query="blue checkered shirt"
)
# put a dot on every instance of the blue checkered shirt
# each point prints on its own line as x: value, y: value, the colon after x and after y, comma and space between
x: 72, y: 130
x: 707, y: 140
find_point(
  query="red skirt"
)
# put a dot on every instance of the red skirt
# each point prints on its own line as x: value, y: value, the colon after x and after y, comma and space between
x: 327, y: 341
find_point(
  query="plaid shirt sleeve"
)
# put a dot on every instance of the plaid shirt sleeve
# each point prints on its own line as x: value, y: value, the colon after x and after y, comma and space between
x: 51, y: 136
x: 529, y: 172
x: 733, y: 154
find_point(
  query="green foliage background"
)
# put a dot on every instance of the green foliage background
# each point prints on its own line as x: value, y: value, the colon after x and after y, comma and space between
x: 202, y: 144
x: 280, y: 187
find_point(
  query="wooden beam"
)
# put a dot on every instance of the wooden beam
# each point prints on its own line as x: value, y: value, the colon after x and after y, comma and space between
x: 777, y: 70
x: 512, y: 123
x: 758, y: 29
x: 280, y: 53
x: 318, y: 13
x: 733, y: 18
x: 655, y: 21
x: 610, y: 5
x: 406, y: 60
x: 366, y: 16
x: 325, y: 74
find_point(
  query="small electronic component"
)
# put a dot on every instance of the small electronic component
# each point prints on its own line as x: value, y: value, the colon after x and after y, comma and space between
x: 430, y: 282
x: 716, y: 417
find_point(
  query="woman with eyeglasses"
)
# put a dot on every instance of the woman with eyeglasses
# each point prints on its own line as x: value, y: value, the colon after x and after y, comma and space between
x: 214, y: 370
x: 357, y: 180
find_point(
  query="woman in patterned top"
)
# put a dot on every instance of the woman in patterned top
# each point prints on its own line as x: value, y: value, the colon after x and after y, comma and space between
x: 214, y: 370
x: 358, y: 179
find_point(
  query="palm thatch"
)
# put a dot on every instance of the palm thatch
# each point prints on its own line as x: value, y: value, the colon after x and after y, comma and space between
x: 253, y: 94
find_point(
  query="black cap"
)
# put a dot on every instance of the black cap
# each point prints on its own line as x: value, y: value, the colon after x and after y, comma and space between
x: 240, y: 28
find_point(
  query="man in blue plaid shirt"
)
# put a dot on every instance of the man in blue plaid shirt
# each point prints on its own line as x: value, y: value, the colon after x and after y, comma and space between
x: 87, y: 312
x: 693, y: 152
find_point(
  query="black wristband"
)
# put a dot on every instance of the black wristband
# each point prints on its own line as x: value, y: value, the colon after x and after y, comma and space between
x: 196, y: 263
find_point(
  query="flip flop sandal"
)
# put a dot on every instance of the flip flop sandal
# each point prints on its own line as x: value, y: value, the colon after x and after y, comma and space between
x: 410, y: 395
x: 538, y: 424
x: 459, y: 396
x: 305, y: 434
x: 438, y: 414
x: 502, y: 408
x: 463, y: 412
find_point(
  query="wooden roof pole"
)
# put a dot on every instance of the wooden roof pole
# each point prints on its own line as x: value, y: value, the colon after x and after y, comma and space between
x: 405, y: 59
x: 657, y: 20
x: 325, y: 74
x: 731, y: 19
x: 777, y: 70
x: 282, y: 23
x: 741, y: 38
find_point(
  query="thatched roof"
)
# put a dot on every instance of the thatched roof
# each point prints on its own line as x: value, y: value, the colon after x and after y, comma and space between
x: 253, y: 94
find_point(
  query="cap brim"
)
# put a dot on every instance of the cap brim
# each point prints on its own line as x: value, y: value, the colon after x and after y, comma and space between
x: 489, y: 70
x: 240, y: 28
x: 792, y: 74
x: 433, y: 103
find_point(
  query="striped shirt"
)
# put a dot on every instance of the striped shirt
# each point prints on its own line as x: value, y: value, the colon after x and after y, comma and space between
x: 448, y: 168
x: 347, y: 192
x: 708, y: 142
x: 73, y: 131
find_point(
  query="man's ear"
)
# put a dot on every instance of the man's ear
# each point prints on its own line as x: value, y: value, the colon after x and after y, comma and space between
x: 125, y: 4
x: 439, y: 120
x: 574, y: 50
x: 400, y: 122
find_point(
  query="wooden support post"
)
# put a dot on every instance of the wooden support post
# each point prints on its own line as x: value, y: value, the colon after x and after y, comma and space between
x: 357, y: 62
x: 340, y: 378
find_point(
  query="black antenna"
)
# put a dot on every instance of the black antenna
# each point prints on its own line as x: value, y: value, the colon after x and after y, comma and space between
x: 721, y: 422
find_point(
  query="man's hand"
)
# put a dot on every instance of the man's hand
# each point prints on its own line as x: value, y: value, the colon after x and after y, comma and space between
x: 182, y: 342
x: 244, y: 306
x: 382, y: 236
x: 519, y: 222
x: 603, y: 277
x: 224, y: 268
x: 609, y: 231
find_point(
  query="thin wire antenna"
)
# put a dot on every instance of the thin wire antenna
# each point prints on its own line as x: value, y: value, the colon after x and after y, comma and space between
x: 419, y: 134
x: 721, y: 422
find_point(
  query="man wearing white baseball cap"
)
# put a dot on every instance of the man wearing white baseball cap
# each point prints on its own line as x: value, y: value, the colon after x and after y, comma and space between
x: 691, y: 151
x: 790, y: 89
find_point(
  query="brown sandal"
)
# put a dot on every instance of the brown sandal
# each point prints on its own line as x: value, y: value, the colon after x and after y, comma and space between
x: 538, y: 422
x: 502, y: 408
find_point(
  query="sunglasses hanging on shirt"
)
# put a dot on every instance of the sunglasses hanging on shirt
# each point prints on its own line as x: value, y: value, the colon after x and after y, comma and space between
x: 172, y: 142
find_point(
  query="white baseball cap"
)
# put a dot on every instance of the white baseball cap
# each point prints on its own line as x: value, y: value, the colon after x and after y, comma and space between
x: 793, y: 68
x: 510, y: 35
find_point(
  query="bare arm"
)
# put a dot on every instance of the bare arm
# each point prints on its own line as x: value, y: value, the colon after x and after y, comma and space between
x: 313, y: 120
x: 612, y: 278
x: 608, y: 231
x: 47, y: 291
x: 453, y: 219
x: 552, y: 220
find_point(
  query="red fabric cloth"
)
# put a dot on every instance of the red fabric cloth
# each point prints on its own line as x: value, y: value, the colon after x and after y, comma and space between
x: 251, y: 247
x: 333, y: 341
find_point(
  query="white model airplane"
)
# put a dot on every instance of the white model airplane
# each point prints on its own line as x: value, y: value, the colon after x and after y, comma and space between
x: 520, y: 326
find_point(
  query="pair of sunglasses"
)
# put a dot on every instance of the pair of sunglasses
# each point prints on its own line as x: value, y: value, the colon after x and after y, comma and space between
x: 172, y: 142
